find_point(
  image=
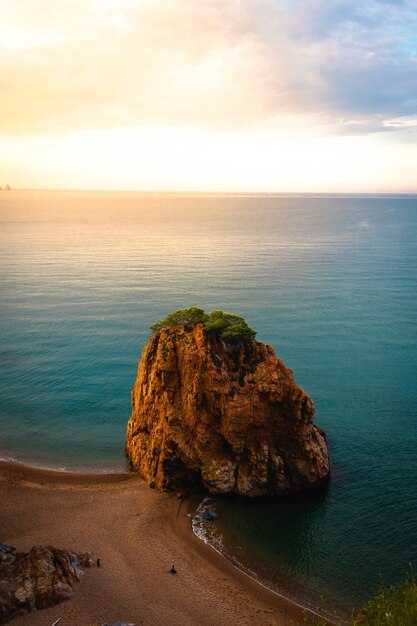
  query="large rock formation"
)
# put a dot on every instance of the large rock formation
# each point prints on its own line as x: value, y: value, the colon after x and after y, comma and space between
x: 224, y: 417
x: 36, y: 579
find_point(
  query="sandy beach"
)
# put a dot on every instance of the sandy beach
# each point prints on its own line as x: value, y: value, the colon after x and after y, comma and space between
x: 138, y: 534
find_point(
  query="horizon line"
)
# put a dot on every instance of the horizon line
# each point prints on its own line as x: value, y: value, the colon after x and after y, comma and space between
x: 215, y: 192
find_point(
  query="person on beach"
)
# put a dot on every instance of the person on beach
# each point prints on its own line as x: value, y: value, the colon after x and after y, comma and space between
x: 173, y: 570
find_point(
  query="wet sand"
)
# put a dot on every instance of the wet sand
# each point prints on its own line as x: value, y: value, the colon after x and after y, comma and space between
x: 138, y: 534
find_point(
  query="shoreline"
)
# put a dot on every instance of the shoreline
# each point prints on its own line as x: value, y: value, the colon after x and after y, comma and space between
x: 139, y: 532
x: 62, y: 469
x: 292, y: 600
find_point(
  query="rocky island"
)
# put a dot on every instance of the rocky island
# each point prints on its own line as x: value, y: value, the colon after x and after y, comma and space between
x: 215, y: 410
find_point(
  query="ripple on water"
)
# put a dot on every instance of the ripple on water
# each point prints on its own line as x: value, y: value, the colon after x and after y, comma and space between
x: 328, y: 281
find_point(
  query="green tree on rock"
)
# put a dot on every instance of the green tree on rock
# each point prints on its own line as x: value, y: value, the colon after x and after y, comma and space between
x: 226, y: 325
x: 185, y: 317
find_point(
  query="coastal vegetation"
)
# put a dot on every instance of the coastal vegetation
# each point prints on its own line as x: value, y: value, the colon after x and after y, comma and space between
x: 226, y: 325
x: 394, y: 605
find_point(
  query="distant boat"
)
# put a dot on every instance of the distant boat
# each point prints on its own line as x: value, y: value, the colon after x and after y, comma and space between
x: 7, y: 188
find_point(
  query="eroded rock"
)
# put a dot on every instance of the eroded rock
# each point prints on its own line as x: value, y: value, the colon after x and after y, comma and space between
x: 36, y: 579
x: 221, y: 417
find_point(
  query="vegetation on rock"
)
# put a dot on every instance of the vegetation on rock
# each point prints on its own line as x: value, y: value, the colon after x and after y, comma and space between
x: 227, y: 325
x: 184, y: 317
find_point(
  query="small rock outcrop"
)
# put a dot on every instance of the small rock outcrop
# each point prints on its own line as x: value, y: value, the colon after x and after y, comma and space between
x: 37, y: 579
x: 226, y: 418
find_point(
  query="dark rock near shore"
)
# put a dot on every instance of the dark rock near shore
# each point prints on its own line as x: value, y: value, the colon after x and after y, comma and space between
x: 227, y: 418
x: 7, y: 554
x: 37, y: 579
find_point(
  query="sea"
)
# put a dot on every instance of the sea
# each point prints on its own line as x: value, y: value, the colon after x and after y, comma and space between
x: 330, y: 281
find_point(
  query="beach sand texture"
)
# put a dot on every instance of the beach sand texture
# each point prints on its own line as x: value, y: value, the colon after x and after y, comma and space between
x: 138, y: 534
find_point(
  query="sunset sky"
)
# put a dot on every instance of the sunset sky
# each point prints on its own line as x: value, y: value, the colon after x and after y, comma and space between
x: 209, y: 95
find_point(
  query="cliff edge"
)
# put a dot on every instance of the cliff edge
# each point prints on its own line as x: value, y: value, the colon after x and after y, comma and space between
x: 223, y: 417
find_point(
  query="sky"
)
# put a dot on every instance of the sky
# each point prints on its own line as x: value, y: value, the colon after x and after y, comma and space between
x: 209, y: 95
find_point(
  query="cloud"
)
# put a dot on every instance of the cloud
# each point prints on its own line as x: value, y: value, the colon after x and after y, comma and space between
x: 371, y: 66
x: 160, y: 61
x: 348, y: 67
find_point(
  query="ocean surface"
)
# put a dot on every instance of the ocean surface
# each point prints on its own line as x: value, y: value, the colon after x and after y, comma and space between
x: 330, y: 281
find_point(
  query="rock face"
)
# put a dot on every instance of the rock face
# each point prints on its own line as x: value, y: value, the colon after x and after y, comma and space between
x: 36, y: 579
x: 224, y: 418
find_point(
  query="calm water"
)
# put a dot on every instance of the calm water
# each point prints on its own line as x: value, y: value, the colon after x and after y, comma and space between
x: 329, y: 281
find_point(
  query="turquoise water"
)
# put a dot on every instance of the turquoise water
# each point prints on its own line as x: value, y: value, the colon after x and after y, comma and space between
x: 329, y: 281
